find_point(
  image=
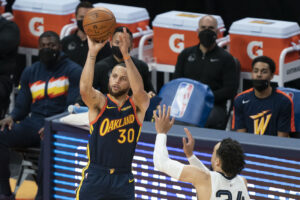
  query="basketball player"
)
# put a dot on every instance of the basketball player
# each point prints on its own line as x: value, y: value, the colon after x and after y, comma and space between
x: 227, y: 161
x: 115, y: 124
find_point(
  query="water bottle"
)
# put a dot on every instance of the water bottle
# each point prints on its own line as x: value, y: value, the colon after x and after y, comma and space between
x: 75, y: 109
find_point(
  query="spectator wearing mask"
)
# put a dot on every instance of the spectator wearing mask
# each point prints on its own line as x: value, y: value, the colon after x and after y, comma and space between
x: 263, y: 110
x: 211, y: 65
x: 75, y: 45
x: 46, y: 89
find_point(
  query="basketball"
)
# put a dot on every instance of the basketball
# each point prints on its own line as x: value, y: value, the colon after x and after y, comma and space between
x: 99, y: 24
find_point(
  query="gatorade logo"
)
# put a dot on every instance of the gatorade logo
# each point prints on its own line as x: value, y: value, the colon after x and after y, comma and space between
x: 176, y: 42
x: 36, y: 26
x: 254, y: 49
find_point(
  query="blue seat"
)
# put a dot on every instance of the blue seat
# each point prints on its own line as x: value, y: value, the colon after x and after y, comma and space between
x: 190, y: 100
x: 295, y: 95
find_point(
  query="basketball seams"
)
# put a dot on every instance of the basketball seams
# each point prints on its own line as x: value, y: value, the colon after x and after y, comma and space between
x: 99, y: 24
x: 98, y: 10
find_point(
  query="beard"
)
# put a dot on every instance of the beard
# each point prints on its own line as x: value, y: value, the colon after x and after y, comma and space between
x: 119, y: 93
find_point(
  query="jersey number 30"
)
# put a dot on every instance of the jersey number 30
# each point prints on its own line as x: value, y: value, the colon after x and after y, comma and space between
x: 229, y: 195
x: 126, y: 135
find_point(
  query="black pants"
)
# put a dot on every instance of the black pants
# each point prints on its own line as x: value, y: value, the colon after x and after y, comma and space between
x: 217, y: 118
x: 23, y: 134
x: 99, y: 184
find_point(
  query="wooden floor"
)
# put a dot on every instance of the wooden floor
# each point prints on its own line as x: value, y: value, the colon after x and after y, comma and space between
x: 27, y: 191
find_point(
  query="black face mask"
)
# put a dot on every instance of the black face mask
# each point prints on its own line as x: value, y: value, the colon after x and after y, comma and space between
x: 79, y: 25
x: 260, y: 85
x: 48, y: 57
x: 207, y: 37
x: 117, y: 52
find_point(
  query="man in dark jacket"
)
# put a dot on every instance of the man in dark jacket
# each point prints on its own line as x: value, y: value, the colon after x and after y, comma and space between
x: 211, y: 65
x: 46, y: 89
x: 9, y: 42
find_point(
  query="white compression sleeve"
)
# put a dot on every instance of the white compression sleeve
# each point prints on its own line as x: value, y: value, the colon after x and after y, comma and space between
x: 161, y: 159
x: 193, y: 160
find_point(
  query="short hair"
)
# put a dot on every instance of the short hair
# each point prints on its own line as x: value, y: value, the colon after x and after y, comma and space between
x: 83, y: 4
x: 120, y: 30
x: 232, y: 157
x: 50, y: 34
x: 120, y: 64
x: 265, y: 59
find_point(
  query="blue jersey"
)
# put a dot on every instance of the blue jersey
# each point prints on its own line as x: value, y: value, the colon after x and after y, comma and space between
x: 114, y: 135
x: 264, y: 116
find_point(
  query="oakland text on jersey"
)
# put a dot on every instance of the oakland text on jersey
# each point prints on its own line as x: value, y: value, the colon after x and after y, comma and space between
x: 108, y: 125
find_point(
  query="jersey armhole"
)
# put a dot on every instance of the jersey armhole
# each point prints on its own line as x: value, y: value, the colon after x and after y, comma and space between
x: 134, y: 110
x: 101, y: 112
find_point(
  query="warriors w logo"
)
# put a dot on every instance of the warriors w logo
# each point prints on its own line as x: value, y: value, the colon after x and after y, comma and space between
x: 261, y: 121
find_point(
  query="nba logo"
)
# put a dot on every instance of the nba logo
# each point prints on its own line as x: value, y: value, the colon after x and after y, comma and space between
x: 181, y: 100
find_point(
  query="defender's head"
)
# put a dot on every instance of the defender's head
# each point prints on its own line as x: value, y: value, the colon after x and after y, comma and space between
x: 228, y: 156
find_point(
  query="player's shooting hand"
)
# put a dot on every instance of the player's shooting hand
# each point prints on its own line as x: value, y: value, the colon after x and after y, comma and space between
x: 95, y: 47
x: 163, y: 123
x: 124, y: 43
x: 188, y: 146
x: 8, y: 121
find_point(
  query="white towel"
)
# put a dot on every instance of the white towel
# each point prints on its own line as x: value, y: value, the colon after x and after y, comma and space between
x: 79, y: 119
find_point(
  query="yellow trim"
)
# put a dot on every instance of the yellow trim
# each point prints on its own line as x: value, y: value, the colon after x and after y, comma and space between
x: 131, y: 180
x: 138, y: 137
x: 83, y: 170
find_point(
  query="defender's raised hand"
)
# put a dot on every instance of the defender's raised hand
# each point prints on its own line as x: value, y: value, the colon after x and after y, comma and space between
x: 188, y: 146
x: 163, y: 123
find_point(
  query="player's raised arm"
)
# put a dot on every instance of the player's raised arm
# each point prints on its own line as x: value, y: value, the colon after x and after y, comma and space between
x: 91, y: 97
x: 163, y: 163
x: 140, y: 96
x: 188, y: 148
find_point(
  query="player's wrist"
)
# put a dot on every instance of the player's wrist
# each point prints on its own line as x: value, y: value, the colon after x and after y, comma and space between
x: 190, y: 156
x: 126, y: 56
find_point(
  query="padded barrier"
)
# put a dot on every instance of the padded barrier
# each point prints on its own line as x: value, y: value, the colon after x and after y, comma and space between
x: 190, y: 100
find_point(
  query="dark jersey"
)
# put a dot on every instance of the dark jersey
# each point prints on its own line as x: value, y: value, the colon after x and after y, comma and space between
x: 114, y: 134
x: 263, y: 116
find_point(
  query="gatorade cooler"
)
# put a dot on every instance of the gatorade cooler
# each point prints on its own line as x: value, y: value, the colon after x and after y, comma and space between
x: 2, y: 6
x: 174, y: 31
x: 35, y: 17
x: 134, y: 18
x: 251, y: 37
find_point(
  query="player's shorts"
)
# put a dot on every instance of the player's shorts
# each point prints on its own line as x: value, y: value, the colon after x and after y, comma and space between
x: 104, y: 184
